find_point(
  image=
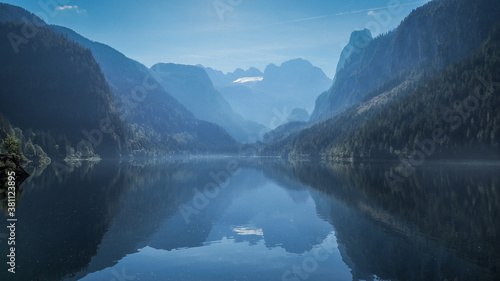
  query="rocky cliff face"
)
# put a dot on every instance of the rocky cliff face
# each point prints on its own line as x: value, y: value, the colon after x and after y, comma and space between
x: 358, y: 41
x: 433, y: 36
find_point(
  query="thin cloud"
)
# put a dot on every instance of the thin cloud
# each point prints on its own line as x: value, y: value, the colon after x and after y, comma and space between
x: 69, y: 8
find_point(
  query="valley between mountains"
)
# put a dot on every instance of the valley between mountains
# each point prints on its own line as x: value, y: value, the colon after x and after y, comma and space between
x: 423, y: 84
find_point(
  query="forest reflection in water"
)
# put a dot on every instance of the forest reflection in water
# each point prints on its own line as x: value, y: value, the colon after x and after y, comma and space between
x: 440, y: 224
x: 442, y: 214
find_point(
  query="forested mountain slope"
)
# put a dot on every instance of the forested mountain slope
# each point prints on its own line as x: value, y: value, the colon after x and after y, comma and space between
x: 54, y: 90
x: 158, y: 121
x: 454, y: 114
x: 435, y: 36
x: 148, y: 118
x: 436, y: 69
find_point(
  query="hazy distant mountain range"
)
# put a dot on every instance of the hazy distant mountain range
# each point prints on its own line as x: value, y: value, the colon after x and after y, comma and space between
x: 221, y: 79
x: 271, y: 96
x: 192, y: 87
x: 156, y: 110
x: 436, y: 71
x: 149, y: 118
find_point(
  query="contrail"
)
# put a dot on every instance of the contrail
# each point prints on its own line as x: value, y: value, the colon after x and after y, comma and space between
x: 378, y: 8
x: 345, y: 13
x: 299, y: 20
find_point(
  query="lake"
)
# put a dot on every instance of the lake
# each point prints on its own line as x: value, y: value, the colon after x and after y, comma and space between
x: 239, y: 219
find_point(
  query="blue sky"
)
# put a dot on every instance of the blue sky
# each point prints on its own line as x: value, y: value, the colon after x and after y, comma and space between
x: 224, y: 34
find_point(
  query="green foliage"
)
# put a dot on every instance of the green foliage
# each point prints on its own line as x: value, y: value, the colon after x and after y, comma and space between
x: 447, y: 101
x: 29, y: 142
x: 11, y: 145
x: 55, y: 91
x: 435, y: 35
x: 154, y: 120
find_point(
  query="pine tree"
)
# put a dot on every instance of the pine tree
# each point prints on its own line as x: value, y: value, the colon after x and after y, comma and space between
x: 12, y: 146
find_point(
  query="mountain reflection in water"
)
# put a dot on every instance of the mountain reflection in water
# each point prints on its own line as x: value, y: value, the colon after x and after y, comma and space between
x: 266, y: 221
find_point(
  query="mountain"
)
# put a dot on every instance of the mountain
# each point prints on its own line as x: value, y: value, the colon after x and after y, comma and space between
x: 192, y: 87
x: 454, y: 114
x: 219, y: 79
x: 253, y: 105
x: 296, y: 80
x: 135, y: 95
x: 358, y: 41
x: 54, y: 92
x: 11, y: 13
x: 435, y: 35
x: 446, y: 107
x: 138, y: 93
x: 298, y: 114
x: 270, y: 99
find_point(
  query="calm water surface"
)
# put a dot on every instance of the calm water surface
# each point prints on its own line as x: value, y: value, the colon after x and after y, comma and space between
x: 231, y: 219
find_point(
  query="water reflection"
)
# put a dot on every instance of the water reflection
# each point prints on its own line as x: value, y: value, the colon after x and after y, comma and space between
x: 439, y: 225
x: 268, y: 221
